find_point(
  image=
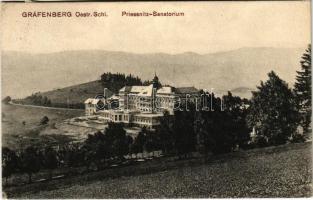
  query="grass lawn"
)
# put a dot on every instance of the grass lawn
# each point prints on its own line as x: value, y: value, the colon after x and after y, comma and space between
x: 15, y: 135
x: 283, y: 171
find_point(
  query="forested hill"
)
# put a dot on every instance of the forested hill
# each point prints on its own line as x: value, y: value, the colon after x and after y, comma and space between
x: 115, y: 81
x: 74, y: 96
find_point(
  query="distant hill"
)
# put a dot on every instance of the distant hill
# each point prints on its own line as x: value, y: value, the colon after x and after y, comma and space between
x: 243, y: 92
x: 77, y: 94
x: 68, y: 97
x: 24, y: 73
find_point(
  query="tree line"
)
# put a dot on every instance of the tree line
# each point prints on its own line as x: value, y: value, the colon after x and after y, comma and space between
x: 99, y: 150
x: 39, y: 100
x: 276, y: 113
x: 112, y: 81
x: 115, y: 81
x: 280, y: 113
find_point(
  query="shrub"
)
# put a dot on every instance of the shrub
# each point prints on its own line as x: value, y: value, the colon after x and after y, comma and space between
x: 297, y: 138
x: 6, y: 100
x: 44, y: 120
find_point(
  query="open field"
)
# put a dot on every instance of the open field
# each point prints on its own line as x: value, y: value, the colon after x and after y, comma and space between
x: 283, y: 171
x: 62, y: 126
x: 16, y: 135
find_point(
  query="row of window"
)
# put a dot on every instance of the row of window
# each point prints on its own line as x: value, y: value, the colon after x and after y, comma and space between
x: 116, y: 117
x: 121, y: 117
x: 142, y: 120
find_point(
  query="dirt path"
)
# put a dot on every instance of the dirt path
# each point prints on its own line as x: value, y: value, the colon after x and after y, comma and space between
x: 44, y: 107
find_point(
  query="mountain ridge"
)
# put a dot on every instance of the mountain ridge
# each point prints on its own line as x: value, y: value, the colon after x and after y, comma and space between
x: 244, y: 67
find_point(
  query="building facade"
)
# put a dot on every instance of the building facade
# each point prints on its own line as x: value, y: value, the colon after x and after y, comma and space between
x: 102, y: 102
x: 92, y: 106
x: 132, y: 118
x: 143, y: 106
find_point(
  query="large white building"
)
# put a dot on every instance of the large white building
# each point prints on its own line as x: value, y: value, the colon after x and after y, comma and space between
x: 142, y: 106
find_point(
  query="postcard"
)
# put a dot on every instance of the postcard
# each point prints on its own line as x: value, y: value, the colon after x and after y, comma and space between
x: 112, y: 100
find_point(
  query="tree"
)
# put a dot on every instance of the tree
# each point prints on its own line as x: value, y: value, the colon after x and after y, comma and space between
x: 139, y: 142
x: 72, y: 155
x: 129, y: 141
x: 48, y: 102
x: 6, y: 100
x: 236, y: 110
x: 116, y: 139
x: 184, y: 135
x: 30, y: 162
x: 222, y: 130
x: 273, y: 111
x: 165, y: 132
x: 50, y: 160
x: 152, y: 142
x: 95, y: 150
x: 115, y: 82
x: 9, y: 163
x: 44, y: 101
x: 215, y: 133
x: 302, y: 90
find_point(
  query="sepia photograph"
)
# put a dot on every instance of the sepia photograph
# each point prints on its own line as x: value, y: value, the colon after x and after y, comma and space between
x: 151, y: 100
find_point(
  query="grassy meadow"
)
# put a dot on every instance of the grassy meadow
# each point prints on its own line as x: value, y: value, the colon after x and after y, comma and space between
x: 16, y: 134
x: 76, y: 93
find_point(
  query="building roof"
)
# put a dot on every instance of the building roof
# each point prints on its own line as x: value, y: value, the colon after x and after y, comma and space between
x: 92, y: 101
x: 133, y: 89
x: 147, y: 91
x: 141, y: 90
x: 165, y: 90
x: 186, y: 90
x: 114, y: 97
x: 125, y: 89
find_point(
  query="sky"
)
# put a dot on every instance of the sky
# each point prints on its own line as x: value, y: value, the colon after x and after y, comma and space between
x: 206, y: 27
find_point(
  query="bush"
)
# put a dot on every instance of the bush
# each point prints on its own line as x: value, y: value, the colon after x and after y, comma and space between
x: 30, y: 162
x: 50, y: 160
x: 9, y: 163
x: 261, y: 142
x: 44, y: 120
x: 6, y: 100
x: 53, y: 126
x: 297, y: 138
